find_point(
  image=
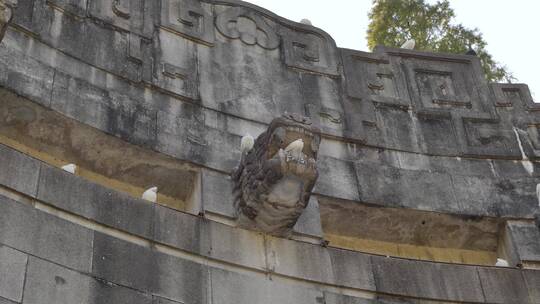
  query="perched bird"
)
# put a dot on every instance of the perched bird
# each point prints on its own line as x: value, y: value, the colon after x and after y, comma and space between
x: 150, y: 194
x: 501, y: 263
x: 246, y: 143
x: 70, y: 168
x: 295, y: 148
x: 306, y: 21
x: 409, y: 44
x: 471, y: 52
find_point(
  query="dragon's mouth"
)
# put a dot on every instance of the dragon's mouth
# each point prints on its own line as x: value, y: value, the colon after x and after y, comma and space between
x: 283, y: 136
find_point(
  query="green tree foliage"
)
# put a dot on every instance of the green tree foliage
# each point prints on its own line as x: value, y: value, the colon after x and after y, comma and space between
x: 392, y: 22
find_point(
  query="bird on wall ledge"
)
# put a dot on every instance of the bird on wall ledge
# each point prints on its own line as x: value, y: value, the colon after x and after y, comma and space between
x: 150, y: 194
x: 409, y: 44
x: 5, y: 15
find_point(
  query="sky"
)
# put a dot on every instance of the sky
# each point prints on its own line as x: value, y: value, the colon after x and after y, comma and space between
x: 511, y: 28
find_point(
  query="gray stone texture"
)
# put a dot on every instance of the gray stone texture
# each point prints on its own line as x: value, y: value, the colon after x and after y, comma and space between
x: 12, y: 273
x: 426, y: 280
x: 144, y: 269
x: 217, y: 193
x: 503, y: 285
x: 112, y: 208
x: 525, y: 239
x: 18, y: 171
x: 34, y: 232
x: 230, y: 287
x: 50, y: 283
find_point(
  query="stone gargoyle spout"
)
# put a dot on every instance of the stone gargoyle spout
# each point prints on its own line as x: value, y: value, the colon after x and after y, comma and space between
x: 273, y: 182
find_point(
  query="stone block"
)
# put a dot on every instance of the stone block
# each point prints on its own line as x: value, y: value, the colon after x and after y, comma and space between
x: 50, y: 283
x: 288, y: 257
x: 337, y: 178
x: 21, y: 73
x: 181, y: 230
x: 237, y: 246
x: 217, y: 193
x: 43, y: 235
x: 149, y: 271
x: 231, y: 287
x: 309, y: 222
x: 12, y: 273
x: 426, y: 280
x: 6, y: 301
x: 352, y: 269
x: 74, y: 194
x: 525, y: 238
x: 18, y: 171
x: 503, y: 285
x: 532, y: 278
x: 394, y: 187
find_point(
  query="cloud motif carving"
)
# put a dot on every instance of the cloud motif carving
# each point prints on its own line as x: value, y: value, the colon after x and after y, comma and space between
x: 239, y: 22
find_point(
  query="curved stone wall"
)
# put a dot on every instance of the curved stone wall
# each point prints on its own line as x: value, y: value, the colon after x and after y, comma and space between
x: 410, y: 140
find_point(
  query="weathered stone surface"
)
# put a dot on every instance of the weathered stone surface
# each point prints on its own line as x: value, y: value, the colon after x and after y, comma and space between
x: 6, y: 301
x: 525, y: 238
x: 46, y: 236
x: 503, y: 285
x: 18, y: 171
x: 532, y: 278
x: 12, y: 273
x: 50, y: 283
x: 352, y: 269
x: 167, y: 276
x: 74, y: 194
x: 309, y: 223
x: 337, y: 179
x: 426, y: 280
x: 230, y: 287
x: 217, y: 193
x: 289, y: 258
x: 273, y: 182
x: 181, y: 230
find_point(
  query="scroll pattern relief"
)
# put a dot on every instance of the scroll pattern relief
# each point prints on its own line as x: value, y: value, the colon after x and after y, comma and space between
x: 248, y: 26
x: 309, y: 52
x: 516, y: 99
x: 305, y: 50
x: 189, y: 19
x: 454, y: 90
x: 133, y: 16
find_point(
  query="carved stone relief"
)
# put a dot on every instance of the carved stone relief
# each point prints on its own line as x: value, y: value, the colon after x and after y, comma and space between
x: 129, y: 15
x: 438, y: 87
x: 309, y: 52
x: 273, y: 182
x: 248, y: 26
x: 188, y: 18
x: 175, y: 65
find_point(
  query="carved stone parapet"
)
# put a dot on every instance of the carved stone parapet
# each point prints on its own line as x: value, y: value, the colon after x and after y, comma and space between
x: 273, y: 182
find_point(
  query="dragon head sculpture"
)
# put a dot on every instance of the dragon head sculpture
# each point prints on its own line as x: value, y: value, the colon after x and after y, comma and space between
x: 275, y: 177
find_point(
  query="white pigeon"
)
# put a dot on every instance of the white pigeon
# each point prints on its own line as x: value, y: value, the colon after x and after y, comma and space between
x: 70, y: 168
x: 295, y: 148
x: 501, y: 263
x: 246, y: 143
x: 150, y: 194
x: 538, y: 193
x: 306, y: 21
x: 409, y: 44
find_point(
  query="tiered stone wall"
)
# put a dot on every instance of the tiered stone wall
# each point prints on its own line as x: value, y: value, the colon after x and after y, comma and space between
x: 142, y: 93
